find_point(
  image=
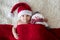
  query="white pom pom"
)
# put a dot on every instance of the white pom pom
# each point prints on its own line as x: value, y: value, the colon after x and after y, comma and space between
x: 9, y: 15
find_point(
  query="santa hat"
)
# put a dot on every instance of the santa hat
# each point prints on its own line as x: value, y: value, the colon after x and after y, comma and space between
x: 37, y: 14
x: 22, y: 8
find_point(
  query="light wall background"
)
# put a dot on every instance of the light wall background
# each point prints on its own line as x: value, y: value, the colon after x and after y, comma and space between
x: 49, y: 8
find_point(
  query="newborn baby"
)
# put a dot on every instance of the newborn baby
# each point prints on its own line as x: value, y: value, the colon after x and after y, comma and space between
x: 38, y: 18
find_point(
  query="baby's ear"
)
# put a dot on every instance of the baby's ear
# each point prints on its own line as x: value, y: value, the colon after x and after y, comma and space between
x: 45, y: 19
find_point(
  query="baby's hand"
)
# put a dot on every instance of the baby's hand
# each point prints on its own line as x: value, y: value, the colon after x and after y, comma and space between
x: 45, y: 19
x: 14, y: 33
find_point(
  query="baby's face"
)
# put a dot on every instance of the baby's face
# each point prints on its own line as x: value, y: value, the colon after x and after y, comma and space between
x: 25, y: 18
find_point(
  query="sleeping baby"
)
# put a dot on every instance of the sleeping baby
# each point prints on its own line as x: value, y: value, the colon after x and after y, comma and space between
x: 38, y: 18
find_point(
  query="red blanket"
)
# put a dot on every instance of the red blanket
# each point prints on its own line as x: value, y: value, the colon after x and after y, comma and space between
x: 56, y: 32
x: 6, y: 32
x: 34, y: 32
x: 29, y: 32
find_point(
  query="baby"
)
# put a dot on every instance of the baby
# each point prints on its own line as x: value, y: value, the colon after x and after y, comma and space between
x: 38, y: 18
x: 23, y: 17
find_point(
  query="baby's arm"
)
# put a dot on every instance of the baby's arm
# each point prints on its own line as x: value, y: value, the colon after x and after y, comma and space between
x: 14, y: 32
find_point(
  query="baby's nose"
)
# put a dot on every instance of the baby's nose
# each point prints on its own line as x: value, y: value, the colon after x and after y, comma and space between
x: 25, y: 17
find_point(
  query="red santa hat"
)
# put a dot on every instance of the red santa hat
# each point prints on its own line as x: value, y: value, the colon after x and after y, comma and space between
x: 22, y: 8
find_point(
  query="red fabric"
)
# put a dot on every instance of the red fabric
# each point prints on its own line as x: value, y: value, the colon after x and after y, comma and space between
x: 56, y: 32
x: 6, y: 32
x: 34, y: 32
x: 29, y: 32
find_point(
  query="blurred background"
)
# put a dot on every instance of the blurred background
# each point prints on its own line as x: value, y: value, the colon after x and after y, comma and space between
x: 49, y: 8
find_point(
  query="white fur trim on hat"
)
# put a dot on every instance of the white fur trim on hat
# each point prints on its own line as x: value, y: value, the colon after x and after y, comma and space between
x: 38, y: 15
x: 23, y: 12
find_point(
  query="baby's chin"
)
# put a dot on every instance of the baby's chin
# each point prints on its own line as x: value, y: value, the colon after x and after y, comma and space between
x: 26, y: 22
